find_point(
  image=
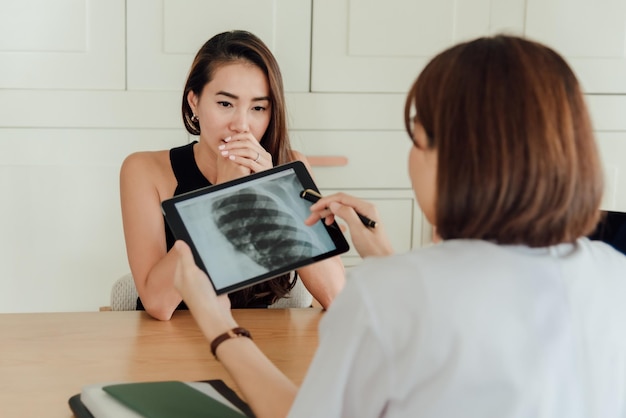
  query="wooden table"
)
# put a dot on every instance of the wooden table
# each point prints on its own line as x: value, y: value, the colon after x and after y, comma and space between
x: 47, y: 357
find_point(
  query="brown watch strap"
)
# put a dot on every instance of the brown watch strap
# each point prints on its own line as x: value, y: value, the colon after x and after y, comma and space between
x: 231, y: 333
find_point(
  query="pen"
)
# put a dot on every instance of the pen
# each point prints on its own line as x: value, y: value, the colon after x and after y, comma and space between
x: 313, y: 196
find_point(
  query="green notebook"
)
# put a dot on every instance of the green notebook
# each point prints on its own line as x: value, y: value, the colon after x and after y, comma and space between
x: 169, y: 399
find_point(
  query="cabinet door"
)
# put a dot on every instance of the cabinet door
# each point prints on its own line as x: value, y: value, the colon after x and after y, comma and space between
x: 591, y: 34
x: 374, y: 168
x: 62, y: 243
x: 399, y: 213
x: 164, y: 36
x: 369, y: 160
x: 62, y: 44
x: 380, y: 46
x: 608, y: 119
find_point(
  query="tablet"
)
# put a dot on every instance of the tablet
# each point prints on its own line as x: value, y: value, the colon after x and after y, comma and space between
x: 252, y: 229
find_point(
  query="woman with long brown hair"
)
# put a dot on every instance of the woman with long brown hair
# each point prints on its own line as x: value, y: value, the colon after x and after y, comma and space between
x: 234, y: 102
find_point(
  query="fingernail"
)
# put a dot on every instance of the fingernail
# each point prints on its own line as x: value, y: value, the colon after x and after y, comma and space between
x: 231, y: 157
x: 224, y: 153
x: 221, y: 146
x: 227, y: 139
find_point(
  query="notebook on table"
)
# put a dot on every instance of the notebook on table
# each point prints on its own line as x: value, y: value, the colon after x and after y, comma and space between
x: 211, y: 398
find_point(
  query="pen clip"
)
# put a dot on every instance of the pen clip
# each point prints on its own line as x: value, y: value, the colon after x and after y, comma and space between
x: 311, y: 192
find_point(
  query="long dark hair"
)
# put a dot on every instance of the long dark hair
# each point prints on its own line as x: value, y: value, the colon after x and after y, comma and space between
x: 243, y: 46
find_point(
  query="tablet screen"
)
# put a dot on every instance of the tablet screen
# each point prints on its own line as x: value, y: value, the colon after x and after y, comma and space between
x: 252, y: 229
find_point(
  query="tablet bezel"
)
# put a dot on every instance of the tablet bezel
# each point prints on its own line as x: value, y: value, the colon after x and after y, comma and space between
x: 180, y: 230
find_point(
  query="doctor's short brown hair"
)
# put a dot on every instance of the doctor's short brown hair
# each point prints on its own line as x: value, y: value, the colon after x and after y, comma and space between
x: 517, y: 159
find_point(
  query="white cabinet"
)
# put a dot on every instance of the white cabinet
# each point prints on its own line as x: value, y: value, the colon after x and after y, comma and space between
x: 399, y: 213
x: 591, y: 34
x: 608, y: 112
x: 365, y: 134
x: 164, y: 36
x: 377, y: 48
x: 83, y: 83
x: 372, y: 166
x: 62, y: 44
x: 62, y: 244
x: 373, y: 160
x: 380, y: 46
x: 375, y: 170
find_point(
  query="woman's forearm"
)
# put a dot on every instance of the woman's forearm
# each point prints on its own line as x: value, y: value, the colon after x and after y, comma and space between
x: 265, y: 388
x: 324, y: 279
x: 157, y: 292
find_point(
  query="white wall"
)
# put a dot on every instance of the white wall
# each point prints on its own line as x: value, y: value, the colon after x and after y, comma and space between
x: 83, y: 83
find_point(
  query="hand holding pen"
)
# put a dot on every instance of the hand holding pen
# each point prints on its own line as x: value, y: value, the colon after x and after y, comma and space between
x: 313, y: 196
x: 366, y: 231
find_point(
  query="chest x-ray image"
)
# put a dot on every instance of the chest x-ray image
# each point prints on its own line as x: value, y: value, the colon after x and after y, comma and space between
x: 257, y: 226
x: 247, y: 232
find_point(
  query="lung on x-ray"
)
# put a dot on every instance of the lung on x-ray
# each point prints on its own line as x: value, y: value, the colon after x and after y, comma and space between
x: 257, y: 225
x: 254, y: 229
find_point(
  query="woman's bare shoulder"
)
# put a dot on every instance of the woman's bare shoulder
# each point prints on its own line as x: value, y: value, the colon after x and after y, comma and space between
x: 146, y: 163
x: 149, y: 169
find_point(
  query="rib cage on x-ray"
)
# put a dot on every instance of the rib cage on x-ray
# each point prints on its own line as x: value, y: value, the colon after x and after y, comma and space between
x: 256, y: 225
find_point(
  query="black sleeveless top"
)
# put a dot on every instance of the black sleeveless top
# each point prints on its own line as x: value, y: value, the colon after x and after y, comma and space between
x: 189, y: 178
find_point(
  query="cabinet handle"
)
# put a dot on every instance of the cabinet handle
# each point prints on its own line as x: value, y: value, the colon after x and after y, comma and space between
x: 327, y: 160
